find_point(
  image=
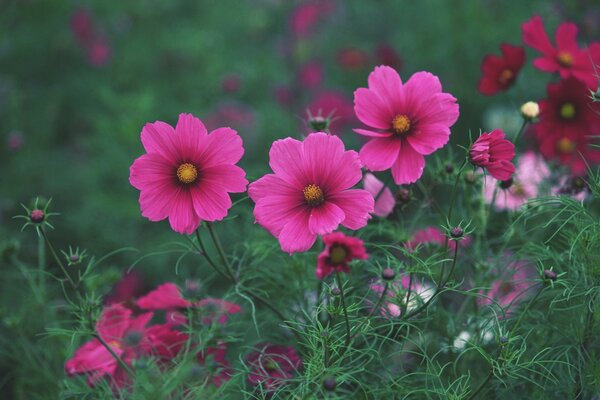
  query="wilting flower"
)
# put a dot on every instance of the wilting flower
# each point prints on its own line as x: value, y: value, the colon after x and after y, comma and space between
x: 567, y: 125
x: 129, y: 338
x: 397, y: 294
x: 339, y: 251
x: 510, y: 287
x: 272, y: 365
x: 384, y: 199
x: 433, y: 235
x: 566, y: 58
x: 187, y: 173
x: 512, y: 194
x: 309, y: 193
x: 499, y: 73
x: 406, y: 121
x: 494, y: 153
x: 335, y: 105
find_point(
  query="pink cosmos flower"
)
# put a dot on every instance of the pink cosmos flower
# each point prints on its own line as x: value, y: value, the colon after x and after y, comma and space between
x: 384, y: 199
x: 511, y: 287
x: 406, y: 121
x: 272, y: 365
x: 494, y: 153
x: 165, y: 297
x: 15, y: 140
x: 309, y: 193
x: 433, y: 235
x: 386, y: 54
x: 351, y: 58
x: 397, y: 293
x: 566, y: 58
x: 82, y: 26
x: 231, y: 83
x: 511, y: 195
x: 499, y: 73
x: 187, y: 173
x: 339, y: 251
x: 129, y: 338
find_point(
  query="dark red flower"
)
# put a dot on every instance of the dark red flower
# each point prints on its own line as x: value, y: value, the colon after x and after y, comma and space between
x: 339, y: 251
x: 304, y: 18
x: 352, y: 58
x: 500, y: 72
x: 215, y: 362
x: 494, y: 153
x: 566, y: 58
x: 385, y: 54
x: 272, y: 365
x: 126, y: 290
x: 567, y: 125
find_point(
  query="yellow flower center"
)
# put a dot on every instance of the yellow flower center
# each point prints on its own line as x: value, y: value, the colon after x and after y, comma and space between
x: 505, y: 76
x: 401, y: 124
x: 313, y: 195
x: 565, y: 59
x: 187, y: 173
x: 567, y: 111
x: 115, y: 345
x: 271, y: 365
x: 337, y: 254
x: 565, y: 146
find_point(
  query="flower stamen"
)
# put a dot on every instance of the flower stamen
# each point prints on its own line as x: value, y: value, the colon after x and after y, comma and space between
x: 567, y: 111
x: 565, y: 59
x: 337, y: 254
x: 187, y: 173
x: 401, y: 124
x: 505, y: 77
x: 313, y: 195
x: 566, y: 146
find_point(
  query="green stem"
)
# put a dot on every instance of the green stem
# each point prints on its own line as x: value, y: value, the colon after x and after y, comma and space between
x: 518, y: 135
x: 374, y: 309
x: 343, y: 299
x: 516, y: 325
x: 481, y: 385
x: 405, y: 305
x: 41, y: 264
x: 115, y: 355
x: 202, y: 250
x: 57, y: 259
x: 220, y: 250
x: 454, y: 189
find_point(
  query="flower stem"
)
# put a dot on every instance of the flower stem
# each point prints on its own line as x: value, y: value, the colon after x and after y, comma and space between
x: 55, y: 256
x: 374, y: 309
x: 202, y: 250
x: 518, y: 135
x: 220, y: 250
x: 454, y: 189
x: 481, y: 385
x: 343, y: 299
x: 115, y: 355
x: 516, y: 325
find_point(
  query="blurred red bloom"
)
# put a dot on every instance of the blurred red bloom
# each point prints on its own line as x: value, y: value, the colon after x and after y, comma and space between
x: 385, y: 54
x: 215, y: 361
x: 339, y: 251
x: 566, y: 58
x: 567, y: 124
x: 499, y: 73
x: 334, y: 104
x: 15, y: 140
x: 311, y: 74
x: 352, y: 58
x: 82, y: 27
x: 304, y: 18
x: 433, y: 235
x: 126, y: 290
x: 98, y: 52
x: 494, y: 153
x: 231, y: 83
x: 271, y: 365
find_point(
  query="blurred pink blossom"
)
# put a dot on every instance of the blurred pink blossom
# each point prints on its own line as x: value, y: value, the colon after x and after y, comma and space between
x: 384, y: 199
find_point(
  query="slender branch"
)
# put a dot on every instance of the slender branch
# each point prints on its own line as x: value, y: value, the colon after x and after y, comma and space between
x: 518, y: 135
x: 377, y: 305
x: 202, y: 250
x: 343, y: 299
x: 220, y: 250
x: 57, y: 259
x: 454, y: 188
x: 405, y: 305
x: 516, y: 325
x: 481, y: 385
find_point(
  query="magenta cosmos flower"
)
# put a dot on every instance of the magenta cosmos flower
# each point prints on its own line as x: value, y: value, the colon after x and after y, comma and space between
x: 566, y: 58
x: 406, y: 121
x: 494, y: 153
x: 187, y: 173
x: 384, y: 199
x: 339, y: 251
x: 309, y: 193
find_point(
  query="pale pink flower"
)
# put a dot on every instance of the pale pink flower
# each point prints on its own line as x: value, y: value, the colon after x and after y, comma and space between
x: 310, y: 193
x: 531, y: 171
x: 384, y: 199
x: 433, y: 235
x: 395, y: 298
x: 187, y: 174
x: 406, y: 121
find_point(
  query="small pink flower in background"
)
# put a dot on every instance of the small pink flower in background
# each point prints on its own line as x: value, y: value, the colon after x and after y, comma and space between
x: 311, y: 74
x: 165, y: 297
x: 566, y: 58
x: 531, y: 172
x: 82, y: 26
x: 405, y: 121
x: 494, y: 153
x: 335, y: 104
x: 433, y: 235
x: 310, y: 192
x: 510, y: 288
x: 187, y: 173
x: 499, y: 73
x: 351, y: 58
x: 283, y: 95
x: 128, y: 337
x: 395, y: 298
x: 15, y: 140
x: 215, y: 361
x: 385, y: 54
x: 98, y: 52
x: 573, y: 186
x: 305, y: 17
x: 217, y: 310
x: 96, y: 46
x: 231, y: 83
x: 126, y: 290
x: 384, y: 199
x: 272, y: 365
x: 235, y: 115
x: 339, y: 251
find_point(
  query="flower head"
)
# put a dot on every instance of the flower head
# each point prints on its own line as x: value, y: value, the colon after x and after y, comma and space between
x: 339, y: 251
x: 433, y: 235
x: 530, y: 110
x: 215, y: 363
x: 187, y: 174
x: 499, y: 73
x: 309, y: 193
x: 567, y: 57
x: 272, y: 365
x: 494, y: 153
x: 406, y: 121
x: 384, y: 199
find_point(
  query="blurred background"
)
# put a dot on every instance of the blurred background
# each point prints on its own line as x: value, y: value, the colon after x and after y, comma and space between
x: 79, y: 79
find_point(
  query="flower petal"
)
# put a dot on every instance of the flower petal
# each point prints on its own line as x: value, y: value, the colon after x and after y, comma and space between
x: 409, y: 166
x: 379, y: 154
x: 221, y: 146
x: 356, y: 205
x: 190, y: 133
x: 372, y: 110
x: 286, y: 159
x: 182, y: 217
x: 159, y: 137
x: 113, y: 322
x: 230, y: 177
x: 295, y: 235
x: 211, y: 201
x: 325, y: 218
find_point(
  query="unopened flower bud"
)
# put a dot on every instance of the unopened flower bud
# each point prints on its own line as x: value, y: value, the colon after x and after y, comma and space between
x: 503, y: 340
x: 456, y: 232
x: 192, y: 290
x: 449, y: 168
x: 388, y: 274
x: 319, y: 123
x: 530, y: 110
x: 329, y: 384
x: 550, y: 275
x: 36, y: 216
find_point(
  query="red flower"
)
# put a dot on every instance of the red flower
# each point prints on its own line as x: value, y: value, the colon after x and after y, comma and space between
x: 499, y: 73
x: 339, y: 251
x: 126, y: 290
x: 566, y: 58
x: 310, y: 74
x: 272, y: 365
x: 304, y: 18
x: 213, y: 359
x: 352, y: 58
x: 568, y: 122
x: 385, y: 54
x: 493, y: 152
